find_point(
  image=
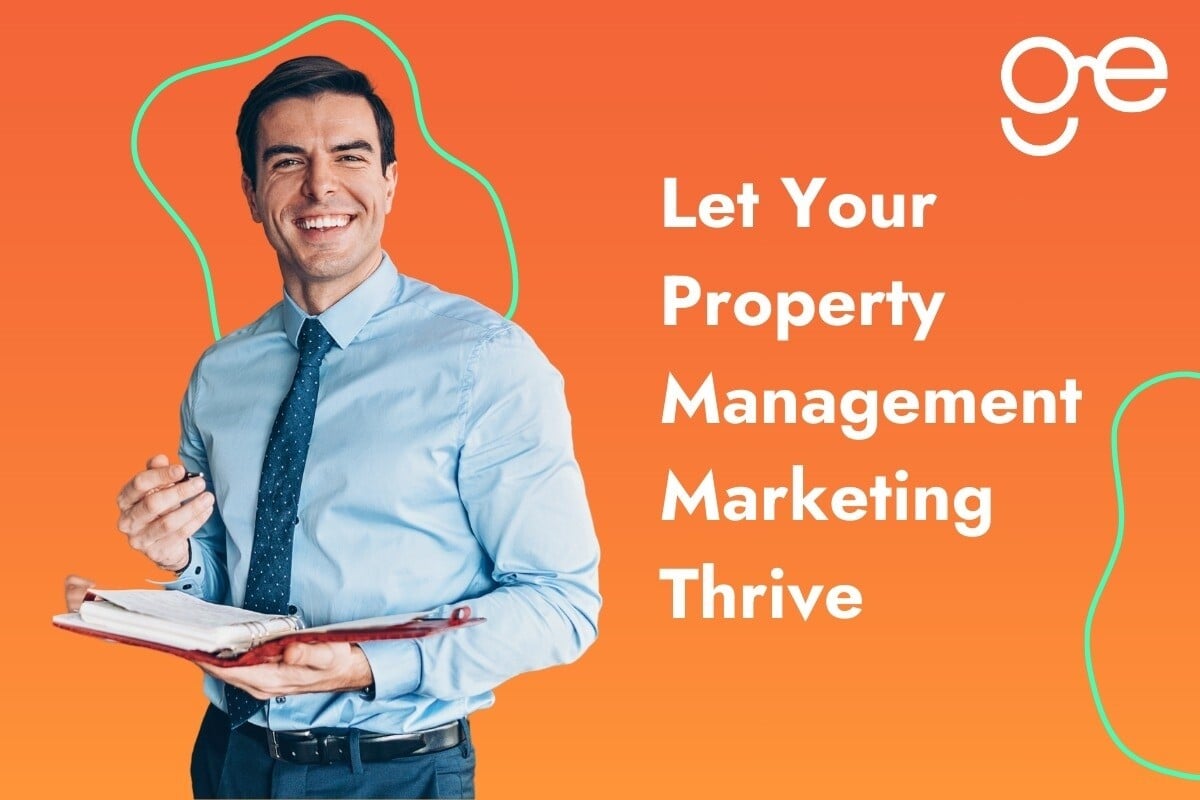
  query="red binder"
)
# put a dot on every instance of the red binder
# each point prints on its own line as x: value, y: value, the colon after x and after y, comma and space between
x: 271, y: 650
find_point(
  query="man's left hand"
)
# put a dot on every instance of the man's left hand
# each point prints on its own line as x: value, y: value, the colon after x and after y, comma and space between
x: 331, y: 667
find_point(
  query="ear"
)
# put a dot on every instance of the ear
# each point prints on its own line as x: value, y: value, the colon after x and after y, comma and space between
x: 248, y: 190
x: 389, y: 176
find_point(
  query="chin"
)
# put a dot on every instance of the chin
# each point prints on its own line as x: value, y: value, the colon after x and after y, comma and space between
x: 325, y: 268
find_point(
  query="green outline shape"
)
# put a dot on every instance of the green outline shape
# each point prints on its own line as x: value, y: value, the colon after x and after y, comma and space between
x: 433, y: 145
x: 1112, y: 562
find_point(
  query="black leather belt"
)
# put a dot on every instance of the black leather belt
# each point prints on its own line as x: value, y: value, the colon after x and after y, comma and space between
x: 317, y: 747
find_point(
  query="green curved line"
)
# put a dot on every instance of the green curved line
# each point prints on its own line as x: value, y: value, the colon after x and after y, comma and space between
x: 1112, y: 562
x: 433, y: 145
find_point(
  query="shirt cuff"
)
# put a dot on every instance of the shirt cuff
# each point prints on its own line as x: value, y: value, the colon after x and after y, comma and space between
x: 396, y: 666
x: 190, y: 579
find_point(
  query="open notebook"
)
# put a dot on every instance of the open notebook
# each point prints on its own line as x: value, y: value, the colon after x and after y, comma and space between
x: 186, y: 626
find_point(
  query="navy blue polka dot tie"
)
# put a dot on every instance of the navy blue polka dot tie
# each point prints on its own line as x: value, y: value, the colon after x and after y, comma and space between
x: 268, y: 584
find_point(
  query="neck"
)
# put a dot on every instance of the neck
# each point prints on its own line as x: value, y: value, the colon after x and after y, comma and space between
x: 316, y: 295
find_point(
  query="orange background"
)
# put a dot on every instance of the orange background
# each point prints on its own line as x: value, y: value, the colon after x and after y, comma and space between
x: 964, y: 674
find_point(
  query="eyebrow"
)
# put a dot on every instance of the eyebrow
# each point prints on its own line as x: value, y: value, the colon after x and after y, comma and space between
x: 281, y: 149
x: 357, y: 144
x: 292, y: 149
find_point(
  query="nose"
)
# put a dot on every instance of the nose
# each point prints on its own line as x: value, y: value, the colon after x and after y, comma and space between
x: 320, y: 180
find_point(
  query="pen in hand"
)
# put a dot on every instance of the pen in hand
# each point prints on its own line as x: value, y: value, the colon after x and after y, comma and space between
x: 187, y: 476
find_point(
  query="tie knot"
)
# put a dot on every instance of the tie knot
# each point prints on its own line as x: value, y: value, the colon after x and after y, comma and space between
x: 315, y: 342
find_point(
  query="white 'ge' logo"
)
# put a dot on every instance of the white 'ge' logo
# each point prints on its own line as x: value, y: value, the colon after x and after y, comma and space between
x: 1101, y: 75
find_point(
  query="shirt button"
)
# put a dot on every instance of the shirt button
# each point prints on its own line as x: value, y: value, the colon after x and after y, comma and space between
x: 281, y: 700
x: 292, y: 609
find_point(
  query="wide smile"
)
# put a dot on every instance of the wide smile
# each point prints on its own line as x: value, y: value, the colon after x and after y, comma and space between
x: 323, y: 225
x: 323, y: 222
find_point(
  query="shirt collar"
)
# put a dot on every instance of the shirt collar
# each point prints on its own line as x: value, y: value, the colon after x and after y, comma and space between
x: 345, y: 318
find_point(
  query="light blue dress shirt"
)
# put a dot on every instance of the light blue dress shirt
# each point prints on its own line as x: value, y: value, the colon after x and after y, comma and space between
x: 440, y: 473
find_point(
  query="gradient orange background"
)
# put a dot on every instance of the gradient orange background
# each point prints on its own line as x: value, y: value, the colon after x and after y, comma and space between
x: 964, y: 674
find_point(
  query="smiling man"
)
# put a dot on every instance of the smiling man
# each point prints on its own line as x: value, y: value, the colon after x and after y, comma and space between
x: 370, y: 445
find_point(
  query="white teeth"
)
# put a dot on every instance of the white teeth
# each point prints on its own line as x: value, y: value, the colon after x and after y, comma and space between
x: 323, y: 222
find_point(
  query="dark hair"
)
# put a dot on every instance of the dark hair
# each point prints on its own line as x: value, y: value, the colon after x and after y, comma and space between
x: 308, y: 76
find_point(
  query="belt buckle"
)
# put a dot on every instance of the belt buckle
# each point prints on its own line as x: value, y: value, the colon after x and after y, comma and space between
x: 330, y: 750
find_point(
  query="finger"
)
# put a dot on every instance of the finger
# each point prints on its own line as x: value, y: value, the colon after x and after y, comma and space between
x: 158, y: 502
x: 75, y: 589
x: 148, y: 481
x: 312, y: 656
x: 172, y: 528
x: 159, y: 460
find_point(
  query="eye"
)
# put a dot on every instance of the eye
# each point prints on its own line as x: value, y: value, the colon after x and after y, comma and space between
x: 284, y: 163
x: 351, y: 157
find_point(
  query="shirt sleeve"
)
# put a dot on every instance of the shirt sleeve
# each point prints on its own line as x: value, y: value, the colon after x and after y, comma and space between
x: 205, y: 574
x: 395, y: 666
x: 525, y: 501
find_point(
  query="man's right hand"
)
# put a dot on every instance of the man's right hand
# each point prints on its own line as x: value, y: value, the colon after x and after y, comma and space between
x: 156, y: 513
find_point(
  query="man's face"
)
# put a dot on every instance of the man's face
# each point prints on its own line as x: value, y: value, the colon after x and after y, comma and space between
x: 321, y: 192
